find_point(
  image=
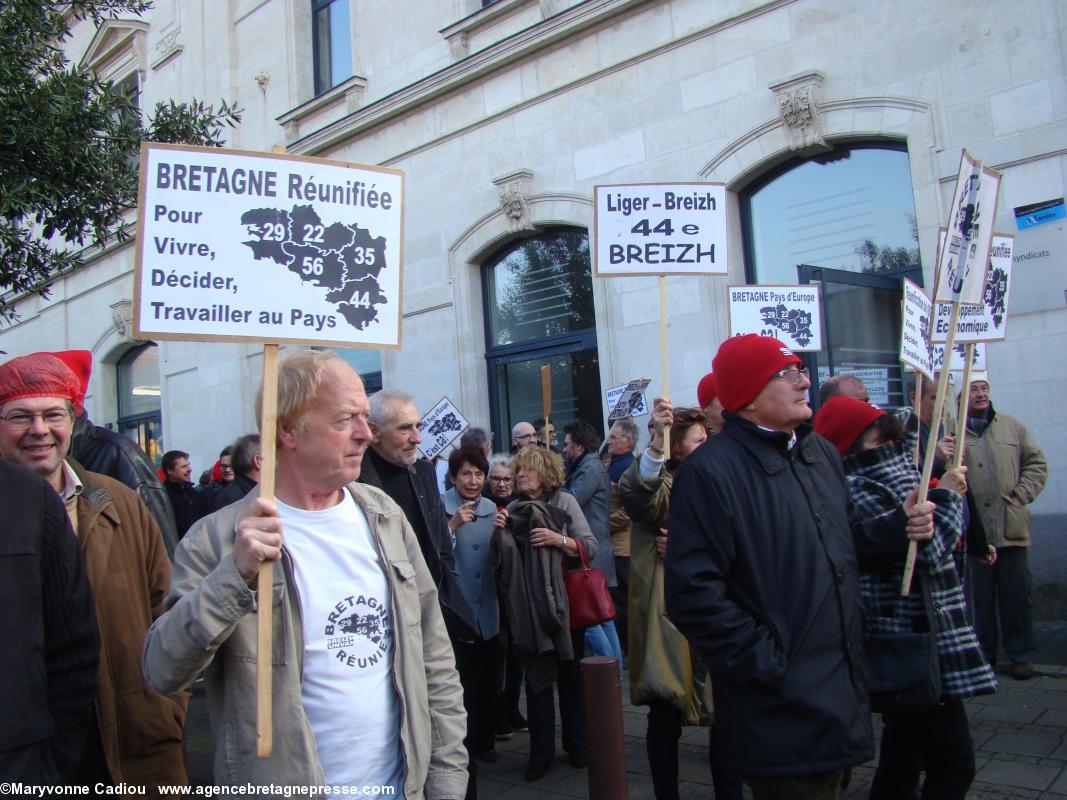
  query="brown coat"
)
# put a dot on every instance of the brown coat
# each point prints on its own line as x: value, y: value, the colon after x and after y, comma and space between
x: 141, y: 732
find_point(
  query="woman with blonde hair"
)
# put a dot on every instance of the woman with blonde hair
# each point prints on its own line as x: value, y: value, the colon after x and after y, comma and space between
x: 544, y: 526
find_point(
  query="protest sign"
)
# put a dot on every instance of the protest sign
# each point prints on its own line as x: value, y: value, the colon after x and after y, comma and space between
x: 789, y: 313
x: 958, y: 362
x: 628, y: 400
x: 660, y: 229
x: 961, y: 266
x: 915, y: 330
x: 989, y: 321
x: 240, y: 246
x: 439, y: 427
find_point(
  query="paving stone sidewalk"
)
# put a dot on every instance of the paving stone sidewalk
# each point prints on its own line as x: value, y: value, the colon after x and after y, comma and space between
x: 1020, y: 736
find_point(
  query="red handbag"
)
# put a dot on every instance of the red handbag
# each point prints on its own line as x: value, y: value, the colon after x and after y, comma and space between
x: 587, y: 593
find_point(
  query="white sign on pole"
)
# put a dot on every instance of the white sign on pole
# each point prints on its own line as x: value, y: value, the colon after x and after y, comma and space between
x: 439, y: 427
x: 989, y: 321
x: 875, y: 380
x: 961, y: 266
x: 628, y: 400
x: 915, y: 330
x: 240, y: 246
x: 959, y: 352
x: 660, y: 229
x: 788, y: 313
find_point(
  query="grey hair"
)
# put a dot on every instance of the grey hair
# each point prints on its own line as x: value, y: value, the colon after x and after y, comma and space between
x: 383, y: 403
x: 628, y: 428
x: 245, y: 449
x: 500, y: 460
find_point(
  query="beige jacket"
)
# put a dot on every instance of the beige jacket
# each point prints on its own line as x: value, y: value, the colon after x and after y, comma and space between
x: 1003, y: 462
x: 209, y: 624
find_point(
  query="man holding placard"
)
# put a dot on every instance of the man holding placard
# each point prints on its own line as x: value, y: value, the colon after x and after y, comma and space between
x: 364, y: 683
x: 762, y: 578
x: 1006, y: 471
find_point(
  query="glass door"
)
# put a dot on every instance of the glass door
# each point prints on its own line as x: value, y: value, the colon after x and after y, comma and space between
x: 861, y: 329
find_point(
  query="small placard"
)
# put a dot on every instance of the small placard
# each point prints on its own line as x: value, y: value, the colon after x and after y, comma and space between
x: 628, y: 400
x: 439, y: 427
x: 959, y: 352
x: 989, y: 321
x: 915, y: 330
x: 788, y: 313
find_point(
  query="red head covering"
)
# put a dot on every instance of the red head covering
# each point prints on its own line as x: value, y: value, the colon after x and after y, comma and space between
x: 707, y: 390
x: 843, y: 420
x: 744, y: 365
x: 63, y: 375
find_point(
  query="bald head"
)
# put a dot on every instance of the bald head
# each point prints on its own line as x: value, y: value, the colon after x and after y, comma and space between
x: 522, y: 434
x: 845, y: 385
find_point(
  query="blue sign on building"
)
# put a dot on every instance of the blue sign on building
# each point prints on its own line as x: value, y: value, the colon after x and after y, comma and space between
x: 1039, y: 213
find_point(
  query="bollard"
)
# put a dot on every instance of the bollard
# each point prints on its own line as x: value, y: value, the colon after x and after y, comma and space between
x: 605, y: 743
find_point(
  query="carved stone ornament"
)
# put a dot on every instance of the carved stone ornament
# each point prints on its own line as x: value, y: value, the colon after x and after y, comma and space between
x: 167, y: 48
x: 549, y: 8
x: 514, y: 198
x: 122, y: 318
x: 459, y: 44
x: 798, y: 106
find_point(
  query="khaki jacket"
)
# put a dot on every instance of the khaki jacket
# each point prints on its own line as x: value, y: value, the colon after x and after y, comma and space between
x: 209, y: 625
x: 660, y: 661
x: 141, y: 732
x: 1002, y: 462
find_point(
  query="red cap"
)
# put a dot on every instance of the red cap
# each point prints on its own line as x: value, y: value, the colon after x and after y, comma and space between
x: 707, y: 390
x: 843, y: 420
x: 63, y: 375
x: 745, y: 364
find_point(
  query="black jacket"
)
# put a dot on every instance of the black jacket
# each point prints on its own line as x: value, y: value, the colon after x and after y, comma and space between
x: 110, y: 453
x: 48, y: 630
x: 232, y: 492
x: 188, y: 504
x: 436, y: 547
x: 762, y: 578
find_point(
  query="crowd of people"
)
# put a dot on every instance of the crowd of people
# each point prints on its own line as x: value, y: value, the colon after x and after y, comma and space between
x: 749, y: 549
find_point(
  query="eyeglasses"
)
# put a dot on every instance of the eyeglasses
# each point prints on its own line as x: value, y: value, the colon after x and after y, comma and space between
x: 23, y: 420
x: 791, y: 375
x: 225, y: 468
x: 525, y: 436
x: 504, y: 479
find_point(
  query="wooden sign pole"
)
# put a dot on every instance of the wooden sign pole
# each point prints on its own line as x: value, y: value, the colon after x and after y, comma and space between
x: 918, y: 416
x: 664, y: 359
x: 965, y: 399
x: 546, y: 400
x: 265, y: 584
x: 931, y: 444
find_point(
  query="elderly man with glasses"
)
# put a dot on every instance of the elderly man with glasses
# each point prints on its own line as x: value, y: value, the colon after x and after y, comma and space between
x: 762, y: 578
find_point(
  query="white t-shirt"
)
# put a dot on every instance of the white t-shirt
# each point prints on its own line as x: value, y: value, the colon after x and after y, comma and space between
x: 348, y: 690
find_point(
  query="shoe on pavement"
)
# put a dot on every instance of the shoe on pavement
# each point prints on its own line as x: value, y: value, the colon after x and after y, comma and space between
x: 503, y: 731
x: 517, y: 721
x: 1022, y: 671
x: 536, y: 770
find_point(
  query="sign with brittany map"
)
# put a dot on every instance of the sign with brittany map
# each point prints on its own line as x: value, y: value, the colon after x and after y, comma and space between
x: 267, y: 247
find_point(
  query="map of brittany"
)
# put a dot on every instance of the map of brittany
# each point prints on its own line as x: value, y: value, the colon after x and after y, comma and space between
x: 343, y: 259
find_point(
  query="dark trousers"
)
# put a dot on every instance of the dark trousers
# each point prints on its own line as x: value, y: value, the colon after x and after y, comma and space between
x: 620, y: 596
x: 1004, y: 591
x: 541, y: 710
x: 937, y: 742
x: 809, y: 787
x: 479, y: 664
x: 661, y: 743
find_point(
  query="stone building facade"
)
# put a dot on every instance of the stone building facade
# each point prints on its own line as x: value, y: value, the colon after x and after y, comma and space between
x: 504, y: 115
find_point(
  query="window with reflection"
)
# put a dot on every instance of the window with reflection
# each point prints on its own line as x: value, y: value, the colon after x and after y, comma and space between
x: 850, y: 209
x: 140, y: 415
x: 368, y: 363
x: 538, y: 298
x: 332, y: 34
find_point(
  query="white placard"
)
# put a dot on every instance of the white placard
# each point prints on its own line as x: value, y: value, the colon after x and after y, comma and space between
x: 961, y: 275
x: 660, y: 229
x: 240, y: 246
x: 628, y: 400
x: 439, y: 427
x: 875, y: 380
x: 989, y: 321
x: 958, y: 353
x: 788, y: 313
x: 915, y: 330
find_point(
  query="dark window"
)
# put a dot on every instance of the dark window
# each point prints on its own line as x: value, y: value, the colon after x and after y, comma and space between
x: 368, y: 363
x: 538, y: 298
x: 140, y: 417
x: 332, y: 33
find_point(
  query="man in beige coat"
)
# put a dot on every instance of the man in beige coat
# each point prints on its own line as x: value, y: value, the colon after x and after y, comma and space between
x: 365, y: 693
x: 1006, y: 471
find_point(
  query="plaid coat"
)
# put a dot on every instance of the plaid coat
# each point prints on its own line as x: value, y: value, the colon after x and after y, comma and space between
x: 879, y: 479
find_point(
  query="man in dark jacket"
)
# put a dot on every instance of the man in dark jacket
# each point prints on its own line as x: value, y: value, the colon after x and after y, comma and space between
x: 246, y: 460
x: 762, y: 578
x: 393, y: 465
x: 187, y: 502
x: 49, y: 631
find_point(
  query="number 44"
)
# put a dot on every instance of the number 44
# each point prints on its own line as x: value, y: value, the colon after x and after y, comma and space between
x: 666, y: 227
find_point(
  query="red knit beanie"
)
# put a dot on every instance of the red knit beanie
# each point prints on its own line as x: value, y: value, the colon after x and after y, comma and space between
x: 63, y: 375
x: 707, y: 390
x: 744, y: 365
x: 843, y: 420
